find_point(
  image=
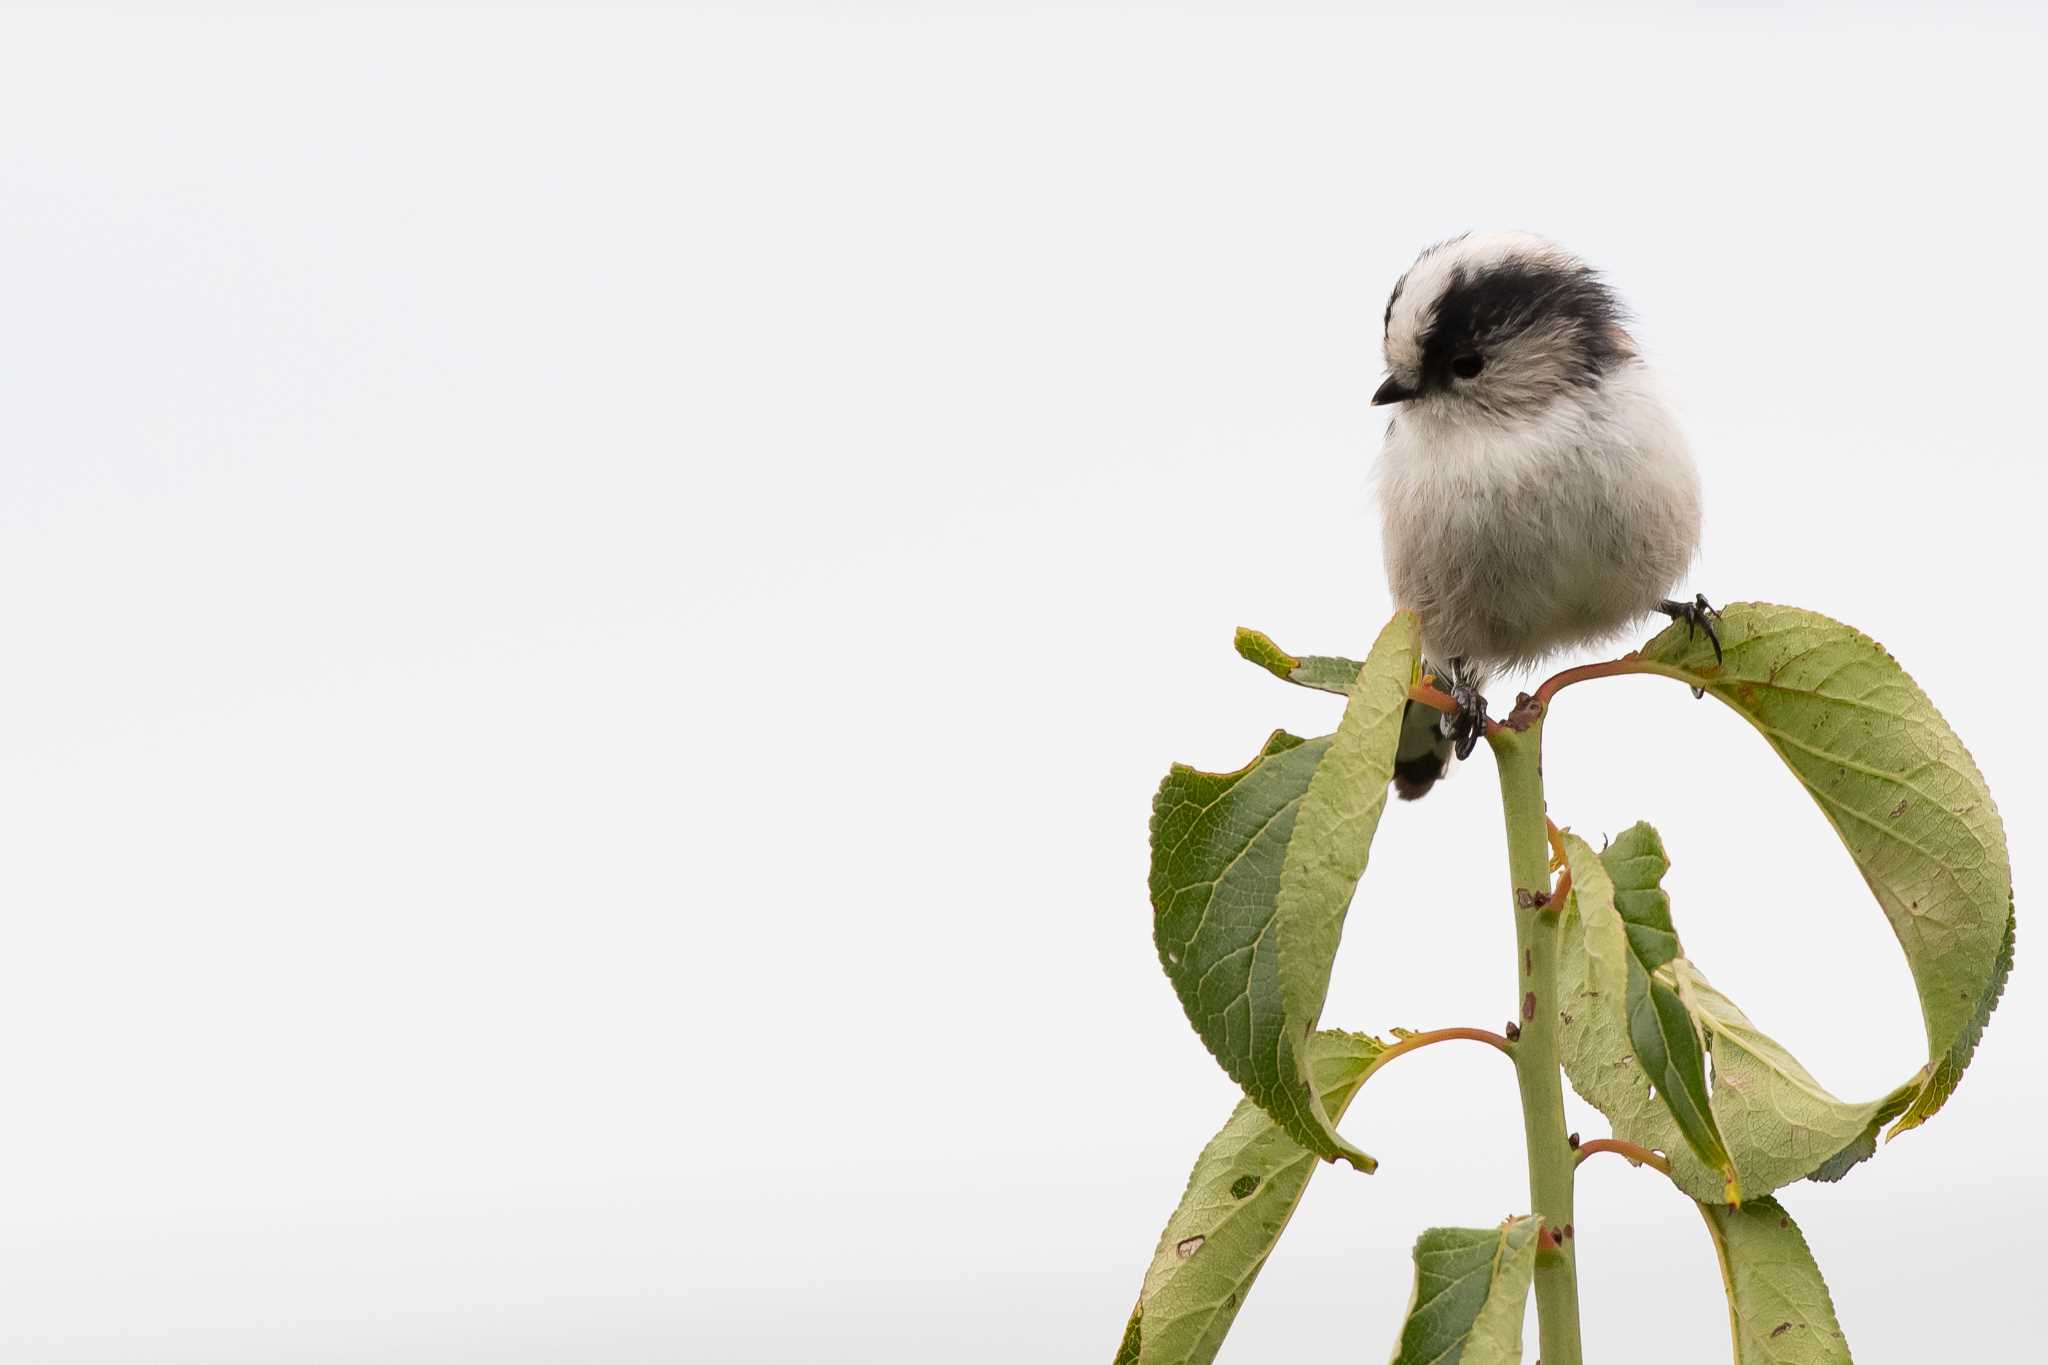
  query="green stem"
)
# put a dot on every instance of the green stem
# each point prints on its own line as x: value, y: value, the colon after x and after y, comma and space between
x: 1537, y: 930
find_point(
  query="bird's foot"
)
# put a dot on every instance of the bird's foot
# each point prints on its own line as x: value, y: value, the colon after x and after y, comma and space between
x: 1469, y: 723
x: 1698, y: 614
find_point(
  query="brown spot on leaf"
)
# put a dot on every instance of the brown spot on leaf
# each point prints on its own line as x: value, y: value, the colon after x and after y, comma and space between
x: 1189, y: 1247
x: 1529, y: 1006
x: 1781, y: 1329
x: 1900, y: 809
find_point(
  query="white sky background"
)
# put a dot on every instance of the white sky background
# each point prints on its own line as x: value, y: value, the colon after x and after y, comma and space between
x: 593, y: 605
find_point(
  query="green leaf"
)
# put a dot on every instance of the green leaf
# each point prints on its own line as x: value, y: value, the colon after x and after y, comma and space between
x: 1471, y: 1294
x: 1777, y: 1122
x: 1252, y: 874
x: 1244, y: 1189
x: 1325, y: 673
x: 1779, y: 1312
x: 1623, y: 905
x: 1898, y: 787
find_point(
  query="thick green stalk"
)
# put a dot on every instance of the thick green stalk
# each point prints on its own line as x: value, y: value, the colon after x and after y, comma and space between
x: 1537, y: 932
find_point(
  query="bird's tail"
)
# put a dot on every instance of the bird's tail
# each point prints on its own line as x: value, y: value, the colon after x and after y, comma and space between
x: 1424, y: 753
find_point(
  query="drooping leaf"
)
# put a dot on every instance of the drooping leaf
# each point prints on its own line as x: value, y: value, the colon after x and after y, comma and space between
x: 1625, y: 922
x: 1245, y: 1186
x: 1899, y: 788
x: 1252, y: 875
x: 1777, y: 1122
x: 1779, y: 1312
x: 1471, y: 1294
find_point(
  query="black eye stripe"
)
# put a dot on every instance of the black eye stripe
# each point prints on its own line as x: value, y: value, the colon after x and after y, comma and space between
x: 1509, y: 296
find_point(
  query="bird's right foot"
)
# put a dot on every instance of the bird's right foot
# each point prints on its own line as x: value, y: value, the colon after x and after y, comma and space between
x: 1698, y: 614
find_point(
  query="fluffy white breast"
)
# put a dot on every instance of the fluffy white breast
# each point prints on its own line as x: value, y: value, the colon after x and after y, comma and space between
x: 1514, y: 540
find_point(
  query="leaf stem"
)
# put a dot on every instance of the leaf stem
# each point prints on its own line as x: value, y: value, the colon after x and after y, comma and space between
x: 1613, y: 668
x: 1538, y: 931
x: 1426, y: 694
x: 1641, y: 1156
x: 1421, y: 1040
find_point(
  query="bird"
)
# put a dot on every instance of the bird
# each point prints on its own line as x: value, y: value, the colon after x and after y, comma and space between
x: 1536, y: 492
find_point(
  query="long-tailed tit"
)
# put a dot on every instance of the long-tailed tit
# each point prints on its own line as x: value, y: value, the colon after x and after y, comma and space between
x: 1536, y: 492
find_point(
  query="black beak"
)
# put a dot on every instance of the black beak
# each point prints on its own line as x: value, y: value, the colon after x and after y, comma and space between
x: 1391, y: 392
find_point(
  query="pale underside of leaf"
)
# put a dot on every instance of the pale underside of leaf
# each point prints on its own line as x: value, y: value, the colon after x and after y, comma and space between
x: 1333, y: 833
x: 1243, y: 1190
x: 1471, y: 1294
x: 1252, y: 876
x: 1779, y: 1310
x: 1624, y: 923
x: 1899, y: 788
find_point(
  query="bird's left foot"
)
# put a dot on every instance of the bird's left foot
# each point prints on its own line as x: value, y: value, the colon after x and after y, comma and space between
x: 1698, y: 614
x: 1470, y: 723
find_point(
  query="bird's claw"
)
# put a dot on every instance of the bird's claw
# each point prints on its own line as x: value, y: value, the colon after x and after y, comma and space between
x: 1698, y: 614
x: 1470, y: 721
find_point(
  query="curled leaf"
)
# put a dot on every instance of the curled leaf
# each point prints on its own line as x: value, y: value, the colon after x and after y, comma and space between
x: 1899, y: 788
x: 1324, y: 673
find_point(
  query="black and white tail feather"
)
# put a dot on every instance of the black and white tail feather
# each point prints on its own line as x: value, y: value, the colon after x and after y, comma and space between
x: 1424, y: 753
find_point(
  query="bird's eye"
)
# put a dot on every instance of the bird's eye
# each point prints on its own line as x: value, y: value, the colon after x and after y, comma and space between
x: 1468, y: 366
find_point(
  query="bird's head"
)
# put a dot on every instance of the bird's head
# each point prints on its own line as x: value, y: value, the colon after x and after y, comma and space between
x: 1497, y: 326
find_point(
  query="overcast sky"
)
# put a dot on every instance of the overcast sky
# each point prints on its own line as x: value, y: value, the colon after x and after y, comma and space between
x: 593, y: 604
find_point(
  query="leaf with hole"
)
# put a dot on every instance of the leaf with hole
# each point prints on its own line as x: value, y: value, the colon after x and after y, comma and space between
x: 1244, y: 1188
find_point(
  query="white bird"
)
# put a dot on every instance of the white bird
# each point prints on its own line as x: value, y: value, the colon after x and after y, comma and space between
x: 1535, y: 490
